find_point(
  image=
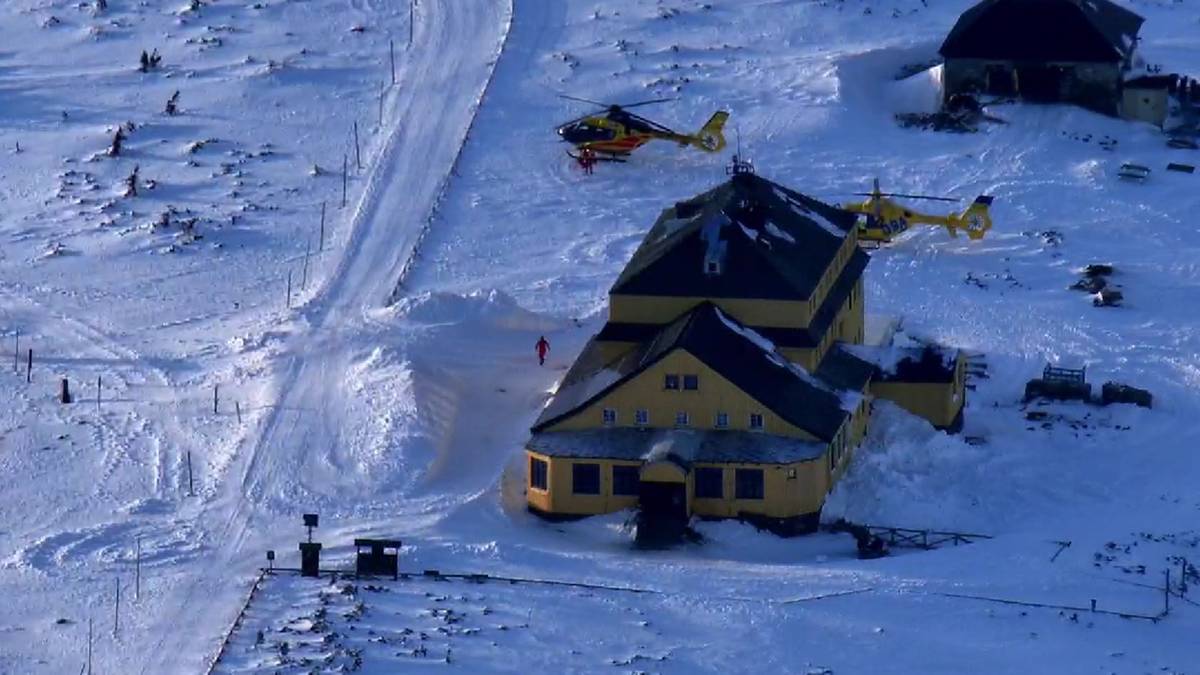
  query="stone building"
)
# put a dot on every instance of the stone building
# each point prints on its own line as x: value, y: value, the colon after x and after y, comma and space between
x: 1045, y: 51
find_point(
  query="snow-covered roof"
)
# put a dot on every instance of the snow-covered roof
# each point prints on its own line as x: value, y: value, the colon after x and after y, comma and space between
x: 771, y: 243
x: 684, y: 446
x: 739, y: 354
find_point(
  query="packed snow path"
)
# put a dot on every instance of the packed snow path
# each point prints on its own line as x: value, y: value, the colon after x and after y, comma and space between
x: 285, y: 469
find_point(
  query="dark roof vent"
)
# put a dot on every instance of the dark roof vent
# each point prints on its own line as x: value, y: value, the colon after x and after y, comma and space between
x: 739, y: 167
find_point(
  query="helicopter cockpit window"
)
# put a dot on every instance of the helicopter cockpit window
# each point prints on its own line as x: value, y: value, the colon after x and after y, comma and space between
x: 583, y: 133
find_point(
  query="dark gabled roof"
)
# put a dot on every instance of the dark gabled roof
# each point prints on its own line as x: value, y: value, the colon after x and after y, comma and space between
x: 913, y: 365
x: 771, y: 242
x: 683, y: 446
x: 738, y: 354
x: 1044, y: 30
x: 799, y: 338
x: 844, y: 370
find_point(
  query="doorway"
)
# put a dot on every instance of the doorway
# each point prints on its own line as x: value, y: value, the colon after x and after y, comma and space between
x: 662, y: 513
x: 1040, y: 84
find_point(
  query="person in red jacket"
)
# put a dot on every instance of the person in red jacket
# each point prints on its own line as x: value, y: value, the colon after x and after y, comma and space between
x: 543, y: 346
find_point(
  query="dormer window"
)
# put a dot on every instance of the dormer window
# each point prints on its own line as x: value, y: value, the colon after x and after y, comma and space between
x: 712, y: 267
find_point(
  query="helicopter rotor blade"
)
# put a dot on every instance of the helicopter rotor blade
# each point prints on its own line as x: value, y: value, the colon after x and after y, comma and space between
x: 641, y: 103
x: 583, y: 100
x: 906, y: 196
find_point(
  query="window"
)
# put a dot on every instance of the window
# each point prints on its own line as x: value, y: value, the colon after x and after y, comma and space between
x: 610, y: 417
x: 756, y: 422
x: 585, y: 479
x: 712, y: 267
x: 626, y: 480
x: 537, y: 473
x: 709, y: 483
x: 691, y: 382
x: 670, y: 382
x: 722, y: 421
x: 748, y: 483
x: 681, y: 419
x: 641, y: 417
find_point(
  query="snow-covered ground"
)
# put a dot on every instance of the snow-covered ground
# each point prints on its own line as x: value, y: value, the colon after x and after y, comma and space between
x: 407, y: 420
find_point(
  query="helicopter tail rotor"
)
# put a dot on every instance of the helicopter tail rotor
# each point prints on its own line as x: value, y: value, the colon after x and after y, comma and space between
x: 976, y: 220
x: 711, y: 137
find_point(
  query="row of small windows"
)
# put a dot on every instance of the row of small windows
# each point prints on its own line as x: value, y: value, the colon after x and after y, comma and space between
x: 710, y: 481
x: 641, y: 417
x: 689, y: 382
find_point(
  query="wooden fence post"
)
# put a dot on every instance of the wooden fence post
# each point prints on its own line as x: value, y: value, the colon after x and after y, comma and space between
x: 191, y: 492
x: 65, y: 394
x: 321, y: 243
x: 216, y: 388
x: 345, y: 166
x: 392, y: 51
x: 29, y: 368
x: 357, y: 153
x: 17, y: 352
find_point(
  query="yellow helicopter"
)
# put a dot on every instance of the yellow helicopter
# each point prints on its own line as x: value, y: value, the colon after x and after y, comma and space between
x: 881, y: 219
x: 615, y: 133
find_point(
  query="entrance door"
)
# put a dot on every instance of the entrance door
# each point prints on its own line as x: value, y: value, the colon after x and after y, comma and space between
x: 1000, y: 81
x: 1040, y: 84
x: 662, y: 512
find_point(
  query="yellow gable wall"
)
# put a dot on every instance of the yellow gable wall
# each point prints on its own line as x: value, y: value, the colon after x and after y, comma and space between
x: 716, y: 394
x: 661, y: 310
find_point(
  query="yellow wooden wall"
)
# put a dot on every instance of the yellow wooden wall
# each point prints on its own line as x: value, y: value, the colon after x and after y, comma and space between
x: 716, y: 394
x: 937, y: 402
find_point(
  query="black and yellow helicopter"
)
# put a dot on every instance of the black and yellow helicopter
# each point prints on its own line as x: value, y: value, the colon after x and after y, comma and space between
x: 613, y: 134
x: 881, y: 219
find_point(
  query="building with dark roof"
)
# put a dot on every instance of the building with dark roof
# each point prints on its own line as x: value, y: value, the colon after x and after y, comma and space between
x: 722, y: 384
x: 1049, y: 51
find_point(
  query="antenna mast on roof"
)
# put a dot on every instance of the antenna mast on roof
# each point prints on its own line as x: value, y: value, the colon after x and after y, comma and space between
x: 739, y: 166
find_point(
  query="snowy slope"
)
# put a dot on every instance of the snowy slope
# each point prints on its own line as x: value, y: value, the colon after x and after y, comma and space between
x: 408, y: 420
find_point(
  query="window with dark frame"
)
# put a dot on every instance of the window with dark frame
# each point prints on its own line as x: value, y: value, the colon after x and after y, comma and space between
x: 609, y: 416
x: 538, y: 472
x: 585, y: 479
x: 722, y: 421
x: 671, y: 382
x: 748, y: 484
x: 641, y: 416
x: 691, y: 382
x: 626, y: 480
x: 681, y: 419
x: 710, y: 483
x: 756, y: 422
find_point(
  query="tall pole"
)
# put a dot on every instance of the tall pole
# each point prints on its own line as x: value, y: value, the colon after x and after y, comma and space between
x: 89, y: 647
x: 304, y: 274
x: 411, y: 13
x: 17, y: 338
x: 216, y: 388
x: 191, y: 492
x: 345, y: 166
x: 137, y: 571
x: 289, y: 290
x: 117, y: 609
x: 321, y: 243
x: 357, y: 152
x: 1167, y: 593
x: 392, y: 51
x: 29, y: 368
x: 97, y: 393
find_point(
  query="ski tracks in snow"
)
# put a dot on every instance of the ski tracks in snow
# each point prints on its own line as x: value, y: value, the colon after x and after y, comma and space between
x: 455, y: 49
